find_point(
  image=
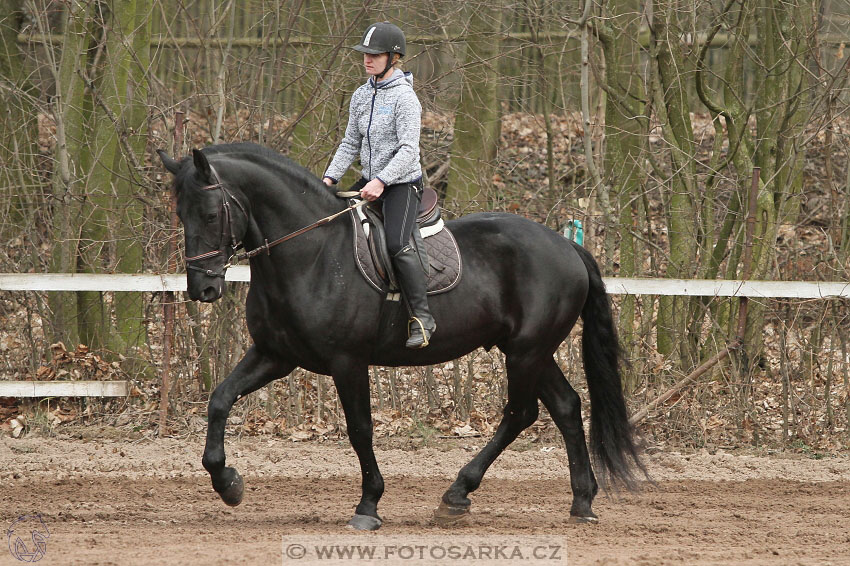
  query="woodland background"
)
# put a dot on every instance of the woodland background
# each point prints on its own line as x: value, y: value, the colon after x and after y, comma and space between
x: 642, y: 118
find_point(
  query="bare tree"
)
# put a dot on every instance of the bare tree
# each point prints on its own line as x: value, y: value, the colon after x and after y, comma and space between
x: 477, y: 125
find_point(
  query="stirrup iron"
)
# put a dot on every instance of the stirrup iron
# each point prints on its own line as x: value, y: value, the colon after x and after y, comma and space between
x: 425, y: 340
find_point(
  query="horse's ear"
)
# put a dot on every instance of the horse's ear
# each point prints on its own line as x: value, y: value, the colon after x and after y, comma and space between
x: 202, y: 165
x: 172, y: 165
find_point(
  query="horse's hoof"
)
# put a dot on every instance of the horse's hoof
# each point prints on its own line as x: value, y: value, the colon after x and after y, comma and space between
x: 586, y: 520
x: 232, y: 495
x: 451, y: 516
x: 364, y: 523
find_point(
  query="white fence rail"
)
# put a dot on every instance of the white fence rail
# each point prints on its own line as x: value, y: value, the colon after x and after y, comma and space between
x: 616, y: 285
x: 241, y: 273
x: 728, y: 288
x: 64, y: 388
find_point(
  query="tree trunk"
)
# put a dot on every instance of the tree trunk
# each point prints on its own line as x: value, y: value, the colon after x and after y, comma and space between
x: 538, y: 16
x: 129, y: 307
x: 96, y: 253
x: 682, y: 217
x: 783, y: 30
x: 477, y: 121
x: 70, y: 115
x: 317, y: 110
x: 625, y: 133
x: 18, y: 123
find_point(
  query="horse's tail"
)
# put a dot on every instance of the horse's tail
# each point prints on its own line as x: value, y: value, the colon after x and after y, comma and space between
x: 611, y: 435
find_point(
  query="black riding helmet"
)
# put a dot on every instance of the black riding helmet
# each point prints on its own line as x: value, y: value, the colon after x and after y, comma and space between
x: 383, y: 37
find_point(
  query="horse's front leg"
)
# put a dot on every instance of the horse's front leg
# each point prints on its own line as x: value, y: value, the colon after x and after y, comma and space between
x: 254, y: 371
x: 352, y: 385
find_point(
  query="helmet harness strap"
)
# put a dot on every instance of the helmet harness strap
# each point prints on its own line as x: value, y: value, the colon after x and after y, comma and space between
x: 386, y: 69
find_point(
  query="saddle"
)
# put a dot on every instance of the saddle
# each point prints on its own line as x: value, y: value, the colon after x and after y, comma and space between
x: 435, y: 244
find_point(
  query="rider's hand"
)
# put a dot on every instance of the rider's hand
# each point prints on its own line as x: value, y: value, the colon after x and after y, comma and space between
x: 372, y: 190
x: 328, y: 181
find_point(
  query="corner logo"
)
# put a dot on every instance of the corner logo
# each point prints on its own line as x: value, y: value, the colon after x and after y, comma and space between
x: 28, y: 538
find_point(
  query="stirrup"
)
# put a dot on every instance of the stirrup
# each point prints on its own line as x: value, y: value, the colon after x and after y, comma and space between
x: 425, y: 340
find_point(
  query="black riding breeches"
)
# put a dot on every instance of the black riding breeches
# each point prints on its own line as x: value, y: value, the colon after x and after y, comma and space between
x: 401, y: 206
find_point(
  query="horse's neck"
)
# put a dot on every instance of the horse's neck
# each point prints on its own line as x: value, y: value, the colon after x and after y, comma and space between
x: 278, y: 212
x: 273, y: 220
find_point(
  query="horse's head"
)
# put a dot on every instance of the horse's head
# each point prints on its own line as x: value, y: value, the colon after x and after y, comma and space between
x: 214, y: 223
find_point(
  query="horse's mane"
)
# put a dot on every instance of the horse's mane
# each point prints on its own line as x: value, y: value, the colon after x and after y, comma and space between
x: 280, y: 165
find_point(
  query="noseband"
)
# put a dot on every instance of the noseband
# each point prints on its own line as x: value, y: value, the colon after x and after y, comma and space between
x: 226, y: 223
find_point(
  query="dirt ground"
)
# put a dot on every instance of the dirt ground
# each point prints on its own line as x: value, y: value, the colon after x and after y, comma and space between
x: 150, y: 502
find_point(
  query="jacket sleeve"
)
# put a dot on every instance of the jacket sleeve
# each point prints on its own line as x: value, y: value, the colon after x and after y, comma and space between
x: 408, y: 122
x: 349, y: 147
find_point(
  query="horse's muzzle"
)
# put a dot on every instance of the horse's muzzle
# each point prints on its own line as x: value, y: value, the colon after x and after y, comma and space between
x: 210, y: 294
x: 205, y: 289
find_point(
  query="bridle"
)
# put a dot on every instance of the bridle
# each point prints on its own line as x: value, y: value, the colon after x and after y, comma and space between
x: 227, y: 217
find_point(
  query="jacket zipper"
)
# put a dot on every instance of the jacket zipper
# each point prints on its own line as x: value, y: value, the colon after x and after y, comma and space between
x: 369, y: 128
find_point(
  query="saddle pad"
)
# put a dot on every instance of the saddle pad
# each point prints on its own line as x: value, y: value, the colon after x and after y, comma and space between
x: 443, y: 256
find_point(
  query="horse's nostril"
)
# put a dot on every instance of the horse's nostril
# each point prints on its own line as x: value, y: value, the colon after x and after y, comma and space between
x: 209, y: 294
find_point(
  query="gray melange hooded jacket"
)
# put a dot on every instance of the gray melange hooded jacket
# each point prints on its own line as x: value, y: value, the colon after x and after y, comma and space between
x: 383, y: 126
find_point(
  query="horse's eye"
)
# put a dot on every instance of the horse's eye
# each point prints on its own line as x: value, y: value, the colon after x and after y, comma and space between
x: 212, y: 217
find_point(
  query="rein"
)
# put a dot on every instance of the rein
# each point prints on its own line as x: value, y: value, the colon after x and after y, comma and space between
x: 235, y: 244
x: 268, y: 245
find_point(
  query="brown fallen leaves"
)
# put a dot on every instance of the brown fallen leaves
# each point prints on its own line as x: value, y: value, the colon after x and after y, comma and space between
x: 77, y: 365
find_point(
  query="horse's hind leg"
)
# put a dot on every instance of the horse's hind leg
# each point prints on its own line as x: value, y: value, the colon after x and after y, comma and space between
x: 254, y: 371
x: 519, y: 413
x: 564, y: 404
x: 352, y: 385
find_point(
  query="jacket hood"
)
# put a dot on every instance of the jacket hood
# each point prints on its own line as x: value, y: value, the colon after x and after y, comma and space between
x: 398, y: 78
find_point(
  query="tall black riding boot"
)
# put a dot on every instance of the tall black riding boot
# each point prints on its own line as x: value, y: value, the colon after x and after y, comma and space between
x: 411, y: 279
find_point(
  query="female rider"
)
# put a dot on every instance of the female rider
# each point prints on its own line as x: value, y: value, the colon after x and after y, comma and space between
x: 383, y: 129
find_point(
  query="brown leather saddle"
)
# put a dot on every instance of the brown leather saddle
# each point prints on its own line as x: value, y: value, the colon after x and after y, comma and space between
x: 435, y: 244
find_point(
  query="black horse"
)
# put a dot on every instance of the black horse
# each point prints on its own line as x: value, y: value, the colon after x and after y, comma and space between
x: 523, y: 288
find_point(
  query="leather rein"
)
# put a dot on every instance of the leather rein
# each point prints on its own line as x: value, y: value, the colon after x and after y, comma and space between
x: 226, y: 197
